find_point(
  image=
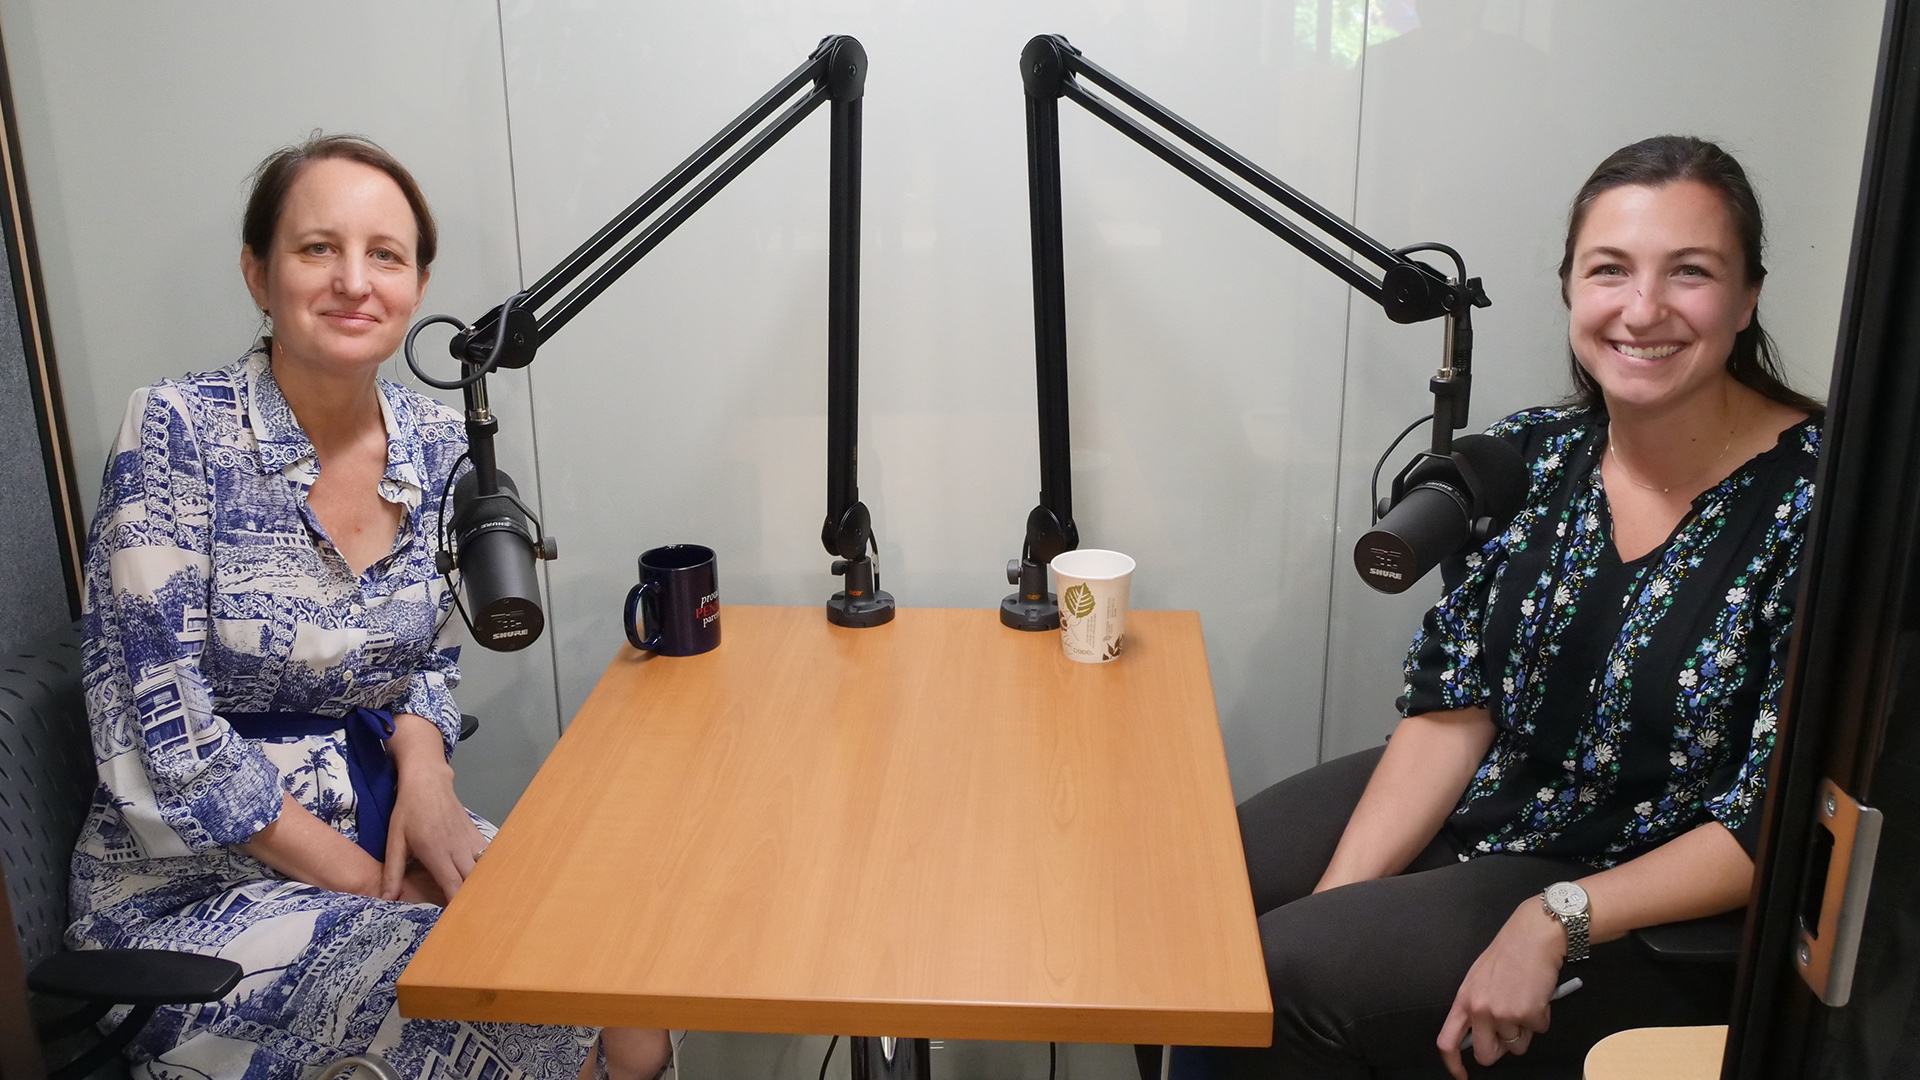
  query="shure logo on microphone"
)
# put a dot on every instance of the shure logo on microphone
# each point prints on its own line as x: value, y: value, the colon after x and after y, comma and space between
x: 522, y: 633
x: 1377, y: 572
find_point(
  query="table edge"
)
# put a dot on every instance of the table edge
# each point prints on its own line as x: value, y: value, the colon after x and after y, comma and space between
x: 900, y: 1018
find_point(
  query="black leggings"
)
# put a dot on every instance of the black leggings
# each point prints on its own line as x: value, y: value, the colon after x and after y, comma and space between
x: 1363, y: 976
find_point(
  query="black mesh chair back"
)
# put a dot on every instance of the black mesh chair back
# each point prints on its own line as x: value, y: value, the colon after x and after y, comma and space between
x: 47, y: 779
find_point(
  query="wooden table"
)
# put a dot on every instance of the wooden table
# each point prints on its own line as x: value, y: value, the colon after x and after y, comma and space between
x: 1662, y: 1053
x: 935, y: 828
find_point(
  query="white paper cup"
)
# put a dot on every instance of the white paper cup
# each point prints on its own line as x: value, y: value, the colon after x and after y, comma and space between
x: 1093, y: 586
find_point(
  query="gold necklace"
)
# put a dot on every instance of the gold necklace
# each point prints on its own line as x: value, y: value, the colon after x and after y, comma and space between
x: 1614, y: 449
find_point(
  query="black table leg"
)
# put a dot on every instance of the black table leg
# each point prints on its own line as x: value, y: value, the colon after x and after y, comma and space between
x: 891, y: 1059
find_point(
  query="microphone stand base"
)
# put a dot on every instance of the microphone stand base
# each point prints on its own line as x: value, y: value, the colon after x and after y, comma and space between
x: 873, y: 609
x: 890, y: 1059
x: 1032, y: 615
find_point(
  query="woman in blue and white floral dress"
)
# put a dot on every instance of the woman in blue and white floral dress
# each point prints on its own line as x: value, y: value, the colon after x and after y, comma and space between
x: 262, y: 612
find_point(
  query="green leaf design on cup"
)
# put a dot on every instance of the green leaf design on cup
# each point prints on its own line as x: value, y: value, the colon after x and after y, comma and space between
x: 1078, y: 601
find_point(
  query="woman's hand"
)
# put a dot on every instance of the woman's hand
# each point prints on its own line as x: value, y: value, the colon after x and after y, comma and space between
x: 418, y: 887
x: 1696, y: 874
x: 429, y: 826
x: 1504, y: 997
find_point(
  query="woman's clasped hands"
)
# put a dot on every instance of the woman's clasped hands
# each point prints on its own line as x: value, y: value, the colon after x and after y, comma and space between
x: 432, y: 842
x: 1504, y: 1000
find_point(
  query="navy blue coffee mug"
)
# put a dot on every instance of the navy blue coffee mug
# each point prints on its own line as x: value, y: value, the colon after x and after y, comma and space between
x: 675, y: 610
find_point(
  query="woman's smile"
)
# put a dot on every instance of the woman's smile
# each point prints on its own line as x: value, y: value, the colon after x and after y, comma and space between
x: 1646, y: 352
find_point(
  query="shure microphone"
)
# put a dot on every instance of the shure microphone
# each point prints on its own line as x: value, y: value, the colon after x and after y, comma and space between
x: 1440, y: 506
x: 496, y: 552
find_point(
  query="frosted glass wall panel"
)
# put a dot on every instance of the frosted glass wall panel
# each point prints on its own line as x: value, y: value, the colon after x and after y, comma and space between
x: 1479, y: 125
x: 688, y: 404
x: 140, y: 124
x: 1216, y: 413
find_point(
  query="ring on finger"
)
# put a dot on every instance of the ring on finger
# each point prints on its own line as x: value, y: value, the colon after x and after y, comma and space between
x: 1516, y: 1037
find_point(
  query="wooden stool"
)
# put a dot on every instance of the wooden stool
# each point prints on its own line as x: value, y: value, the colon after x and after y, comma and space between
x: 1661, y: 1053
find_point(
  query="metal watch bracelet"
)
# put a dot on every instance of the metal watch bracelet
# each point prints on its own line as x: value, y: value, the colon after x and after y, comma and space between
x: 1568, y: 903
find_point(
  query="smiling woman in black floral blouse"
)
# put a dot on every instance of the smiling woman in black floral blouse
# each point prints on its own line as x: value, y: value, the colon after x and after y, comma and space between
x: 1590, y: 708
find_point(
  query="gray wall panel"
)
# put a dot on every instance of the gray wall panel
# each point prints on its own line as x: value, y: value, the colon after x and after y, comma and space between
x: 33, y: 588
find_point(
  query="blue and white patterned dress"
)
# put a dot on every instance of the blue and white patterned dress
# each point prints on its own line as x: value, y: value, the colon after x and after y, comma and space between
x: 211, y: 587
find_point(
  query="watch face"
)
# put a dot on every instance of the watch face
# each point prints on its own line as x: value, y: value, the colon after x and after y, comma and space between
x: 1566, y: 898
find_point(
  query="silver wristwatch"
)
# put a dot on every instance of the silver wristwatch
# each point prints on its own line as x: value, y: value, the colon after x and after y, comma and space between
x: 1568, y: 902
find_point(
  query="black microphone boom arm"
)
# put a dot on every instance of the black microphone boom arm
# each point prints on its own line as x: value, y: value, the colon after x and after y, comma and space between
x: 1407, y: 290
x: 511, y: 334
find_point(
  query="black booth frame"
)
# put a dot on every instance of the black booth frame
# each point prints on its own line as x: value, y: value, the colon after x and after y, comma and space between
x: 1854, y: 678
x: 1853, y: 681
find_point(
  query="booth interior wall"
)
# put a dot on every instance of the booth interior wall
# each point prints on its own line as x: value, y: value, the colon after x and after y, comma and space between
x: 1479, y: 127
x: 1229, y: 397
x: 139, y: 126
x: 688, y: 404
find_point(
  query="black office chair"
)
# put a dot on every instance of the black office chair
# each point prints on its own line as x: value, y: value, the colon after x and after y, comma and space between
x: 47, y: 778
x: 1713, y: 940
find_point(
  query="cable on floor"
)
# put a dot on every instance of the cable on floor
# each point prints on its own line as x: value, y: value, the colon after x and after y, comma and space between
x: 829, y: 1056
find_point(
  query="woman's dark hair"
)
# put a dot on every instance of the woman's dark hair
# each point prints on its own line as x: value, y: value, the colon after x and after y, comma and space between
x: 1665, y: 159
x: 275, y: 176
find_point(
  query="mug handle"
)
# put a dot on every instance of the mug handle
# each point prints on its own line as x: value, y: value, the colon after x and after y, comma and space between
x: 634, y: 600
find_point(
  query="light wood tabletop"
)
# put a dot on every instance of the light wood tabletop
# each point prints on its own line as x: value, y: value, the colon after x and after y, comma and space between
x: 939, y: 827
x: 1661, y: 1053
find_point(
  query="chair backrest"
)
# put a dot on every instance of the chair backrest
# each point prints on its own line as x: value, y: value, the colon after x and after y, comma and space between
x: 47, y: 779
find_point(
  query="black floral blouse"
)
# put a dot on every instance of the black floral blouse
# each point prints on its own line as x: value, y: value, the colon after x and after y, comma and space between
x: 1632, y: 701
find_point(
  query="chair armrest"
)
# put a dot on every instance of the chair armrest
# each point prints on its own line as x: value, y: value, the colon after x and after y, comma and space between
x: 135, y: 976
x: 1713, y: 940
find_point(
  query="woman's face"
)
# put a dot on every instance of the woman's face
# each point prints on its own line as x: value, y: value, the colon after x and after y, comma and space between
x: 1657, y: 292
x: 340, y: 282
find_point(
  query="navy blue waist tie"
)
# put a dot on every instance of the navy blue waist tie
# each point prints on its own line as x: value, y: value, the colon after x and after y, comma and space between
x: 371, y: 772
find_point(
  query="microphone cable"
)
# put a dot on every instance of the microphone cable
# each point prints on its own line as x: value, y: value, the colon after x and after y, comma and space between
x: 829, y: 1056
x: 1373, y: 508
x: 441, y: 548
x: 480, y: 371
x: 1459, y: 264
